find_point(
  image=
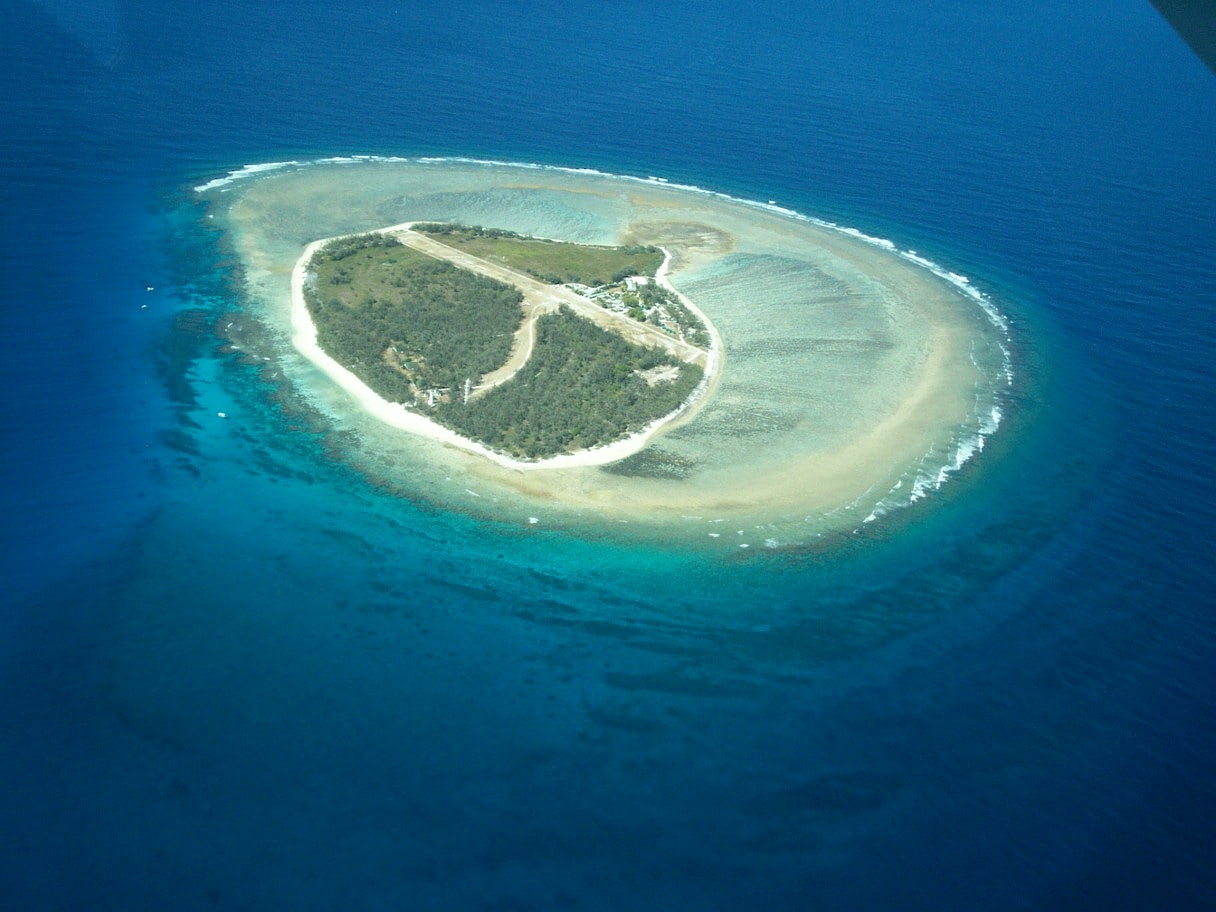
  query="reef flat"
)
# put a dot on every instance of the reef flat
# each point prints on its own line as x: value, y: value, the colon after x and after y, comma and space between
x: 854, y: 378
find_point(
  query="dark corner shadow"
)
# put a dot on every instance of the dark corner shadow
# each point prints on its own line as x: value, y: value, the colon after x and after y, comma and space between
x: 1195, y: 21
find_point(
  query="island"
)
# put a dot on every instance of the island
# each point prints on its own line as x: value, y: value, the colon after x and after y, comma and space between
x: 615, y: 356
x: 531, y: 351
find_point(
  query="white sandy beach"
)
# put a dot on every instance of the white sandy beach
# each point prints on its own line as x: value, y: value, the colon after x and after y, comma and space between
x: 304, y: 337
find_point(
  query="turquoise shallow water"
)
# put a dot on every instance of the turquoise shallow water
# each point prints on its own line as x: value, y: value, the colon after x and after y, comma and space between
x: 239, y: 668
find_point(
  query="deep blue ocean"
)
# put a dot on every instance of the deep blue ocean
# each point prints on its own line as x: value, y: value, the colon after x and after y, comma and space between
x: 236, y: 673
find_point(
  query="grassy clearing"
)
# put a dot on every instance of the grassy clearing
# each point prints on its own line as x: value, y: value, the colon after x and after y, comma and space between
x: 558, y: 262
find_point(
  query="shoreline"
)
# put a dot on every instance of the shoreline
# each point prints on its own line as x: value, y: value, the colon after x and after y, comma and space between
x: 304, y: 338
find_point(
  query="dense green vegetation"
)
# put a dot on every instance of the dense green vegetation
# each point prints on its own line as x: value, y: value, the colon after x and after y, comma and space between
x: 558, y: 262
x: 406, y: 323
x: 409, y: 325
x: 581, y: 387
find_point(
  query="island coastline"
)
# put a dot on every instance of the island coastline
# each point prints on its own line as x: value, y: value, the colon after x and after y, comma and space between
x: 394, y: 414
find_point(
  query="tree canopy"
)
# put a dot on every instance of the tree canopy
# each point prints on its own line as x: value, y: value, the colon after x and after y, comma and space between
x: 582, y: 387
x: 404, y: 322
